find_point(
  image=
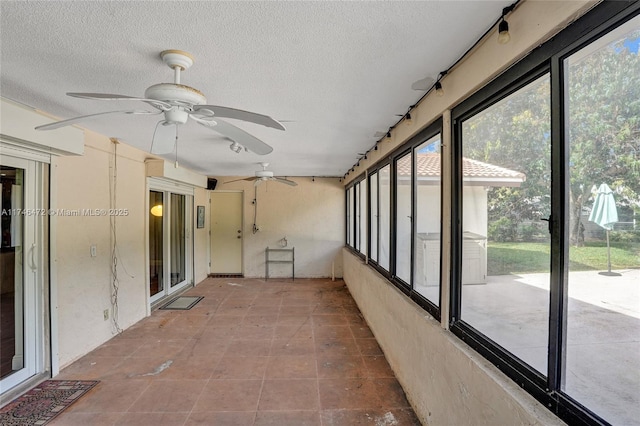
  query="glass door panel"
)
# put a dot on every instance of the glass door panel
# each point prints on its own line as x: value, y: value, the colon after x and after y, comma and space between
x: 156, y: 243
x: 11, y: 271
x: 602, y: 92
x: 20, y: 350
x: 177, y: 239
x: 506, y: 191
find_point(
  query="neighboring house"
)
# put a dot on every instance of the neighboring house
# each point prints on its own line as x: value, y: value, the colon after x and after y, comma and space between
x: 478, y: 177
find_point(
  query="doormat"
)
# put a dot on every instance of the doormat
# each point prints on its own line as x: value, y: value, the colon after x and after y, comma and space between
x: 44, y: 402
x: 226, y: 276
x: 183, y: 302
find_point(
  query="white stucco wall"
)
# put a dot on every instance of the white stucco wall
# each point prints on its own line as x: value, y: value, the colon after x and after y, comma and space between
x: 84, y: 283
x: 445, y: 381
x: 310, y: 216
x: 201, y: 236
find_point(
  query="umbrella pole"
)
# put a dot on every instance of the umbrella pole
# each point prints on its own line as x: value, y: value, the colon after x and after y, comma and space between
x: 608, y: 252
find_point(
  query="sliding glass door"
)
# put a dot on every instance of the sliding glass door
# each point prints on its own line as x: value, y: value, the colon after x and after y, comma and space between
x: 170, y: 241
x: 20, y: 346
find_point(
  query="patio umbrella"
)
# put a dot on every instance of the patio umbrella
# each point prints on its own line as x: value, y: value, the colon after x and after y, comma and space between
x: 605, y: 214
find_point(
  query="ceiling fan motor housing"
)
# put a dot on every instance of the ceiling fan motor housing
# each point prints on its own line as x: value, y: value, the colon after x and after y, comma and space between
x: 264, y: 174
x: 183, y: 97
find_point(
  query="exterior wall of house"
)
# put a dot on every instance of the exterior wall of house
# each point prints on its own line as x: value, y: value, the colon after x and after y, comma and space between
x: 85, y: 283
x: 445, y: 381
x: 310, y: 216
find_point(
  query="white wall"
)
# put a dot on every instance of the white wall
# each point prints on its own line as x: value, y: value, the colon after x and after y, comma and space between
x: 84, y: 283
x: 310, y: 216
x: 445, y: 381
x: 201, y: 237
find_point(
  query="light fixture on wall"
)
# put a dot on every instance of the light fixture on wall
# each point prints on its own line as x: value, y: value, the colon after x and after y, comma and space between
x: 235, y: 147
x: 439, y: 89
x: 503, y: 27
x: 389, y: 135
x: 503, y: 32
x: 407, y: 119
x: 157, y: 210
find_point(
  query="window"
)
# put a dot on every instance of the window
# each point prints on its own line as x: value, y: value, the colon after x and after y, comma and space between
x: 545, y: 241
x: 426, y: 275
x: 403, y: 217
x: 506, y: 174
x: 356, y: 216
x: 373, y: 216
x: 602, y: 97
x: 350, y: 215
x: 362, y: 217
x: 384, y: 216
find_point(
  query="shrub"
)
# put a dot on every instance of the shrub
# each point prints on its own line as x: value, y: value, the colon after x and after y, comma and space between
x: 627, y: 236
x: 502, y: 230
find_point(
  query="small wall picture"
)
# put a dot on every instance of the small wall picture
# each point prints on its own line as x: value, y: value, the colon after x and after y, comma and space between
x: 200, y: 217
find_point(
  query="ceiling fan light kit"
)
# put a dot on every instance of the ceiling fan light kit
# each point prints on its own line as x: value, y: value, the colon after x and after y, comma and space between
x: 179, y: 102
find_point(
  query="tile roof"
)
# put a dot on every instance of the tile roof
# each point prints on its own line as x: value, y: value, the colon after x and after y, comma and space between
x: 428, y: 165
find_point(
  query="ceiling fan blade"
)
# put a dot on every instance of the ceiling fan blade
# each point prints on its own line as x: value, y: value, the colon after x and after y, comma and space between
x: 113, y: 97
x: 285, y: 181
x: 238, y: 114
x: 74, y: 120
x: 245, y: 139
x: 164, y: 138
x: 238, y: 180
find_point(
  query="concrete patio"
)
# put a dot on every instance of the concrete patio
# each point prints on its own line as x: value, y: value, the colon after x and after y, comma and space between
x: 603, y: 333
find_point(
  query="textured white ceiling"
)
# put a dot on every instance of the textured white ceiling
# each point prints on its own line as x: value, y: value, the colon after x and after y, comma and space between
x: 340, y: 71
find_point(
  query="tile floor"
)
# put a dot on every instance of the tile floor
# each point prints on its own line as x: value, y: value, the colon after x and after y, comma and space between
x: 250, y: 353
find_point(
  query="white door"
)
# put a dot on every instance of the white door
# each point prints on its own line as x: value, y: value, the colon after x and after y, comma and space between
x: 226, y: 232
x: 20, y: 356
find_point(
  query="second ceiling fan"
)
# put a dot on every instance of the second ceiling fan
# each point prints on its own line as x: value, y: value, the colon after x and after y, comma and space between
x: 265, y: 175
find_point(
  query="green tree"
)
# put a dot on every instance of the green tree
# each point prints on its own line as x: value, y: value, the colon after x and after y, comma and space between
x: 604, y: 125
x: 603, y: 86
x: 515, y: 133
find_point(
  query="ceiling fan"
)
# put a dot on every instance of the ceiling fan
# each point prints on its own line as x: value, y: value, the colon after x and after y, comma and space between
x: 178, y: 103
x: 265, y: 175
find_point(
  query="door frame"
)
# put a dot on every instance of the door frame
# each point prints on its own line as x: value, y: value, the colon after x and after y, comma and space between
x: 168, y: 187
x: 36, y: 313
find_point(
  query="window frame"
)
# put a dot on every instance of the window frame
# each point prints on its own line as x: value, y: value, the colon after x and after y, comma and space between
x: 352, y: 200
x: 375, y: 169
x: 549, y: 57
x: 410, y: 146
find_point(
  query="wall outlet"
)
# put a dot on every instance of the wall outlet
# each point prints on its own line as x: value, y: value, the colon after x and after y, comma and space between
x: 105, y: 314
x: 94, y: 250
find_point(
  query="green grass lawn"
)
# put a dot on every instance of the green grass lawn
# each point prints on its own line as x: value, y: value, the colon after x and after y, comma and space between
x: 519, y: 258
